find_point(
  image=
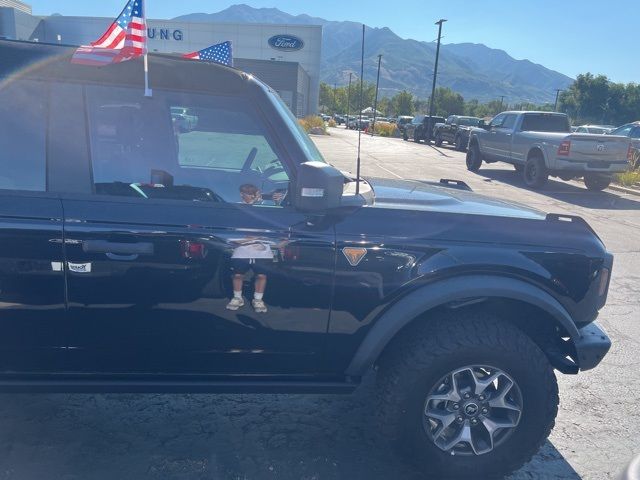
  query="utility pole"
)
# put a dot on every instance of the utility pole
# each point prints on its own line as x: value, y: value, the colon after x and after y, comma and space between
x: 555, y: 106
x: 375, y: 102
x: 334, y: 97
x: 501, y: 101
x: 435, y: 74
x: 348, y: 101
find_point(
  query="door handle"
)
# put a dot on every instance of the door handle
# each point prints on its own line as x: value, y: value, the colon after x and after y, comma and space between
x: 117, y: 248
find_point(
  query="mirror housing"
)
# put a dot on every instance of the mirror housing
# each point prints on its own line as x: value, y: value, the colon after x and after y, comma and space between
x: 318, y: 187
x: 483, y: 124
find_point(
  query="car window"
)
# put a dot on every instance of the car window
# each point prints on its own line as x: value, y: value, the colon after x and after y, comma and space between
x: 181, y: 146
x: 23, y: 135
x: 468, y: 121
x: 509, y: 121
x: 635, y: 133
x: 498, y: 120
x: 544, y: 122
x: 623, y: 130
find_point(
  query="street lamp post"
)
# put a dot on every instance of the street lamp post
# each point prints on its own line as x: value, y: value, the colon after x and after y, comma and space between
x: 435, y: 74
x: 555, y: 106
x: 348, y: 101
x: 375, y: 102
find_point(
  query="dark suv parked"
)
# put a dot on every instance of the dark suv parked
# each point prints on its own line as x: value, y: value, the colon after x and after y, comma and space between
x: 131, y: 247
x: 421, y: 128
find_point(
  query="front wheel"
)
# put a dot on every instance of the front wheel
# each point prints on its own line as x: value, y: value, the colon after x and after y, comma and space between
x: 597, y: 182
x: 416, y: 136
x: 468, y: 396
x: 438, y: 140
x: 474, y: 160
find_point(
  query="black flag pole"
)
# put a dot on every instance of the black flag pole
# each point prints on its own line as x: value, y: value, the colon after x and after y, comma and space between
x: 360, y: 117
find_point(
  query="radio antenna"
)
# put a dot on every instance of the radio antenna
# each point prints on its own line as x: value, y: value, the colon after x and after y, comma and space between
x: 360, y: 118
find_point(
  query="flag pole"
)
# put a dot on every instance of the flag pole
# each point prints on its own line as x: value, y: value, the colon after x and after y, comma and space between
x: 147, y: 91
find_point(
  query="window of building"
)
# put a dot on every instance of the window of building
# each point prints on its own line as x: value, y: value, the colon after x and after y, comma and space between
x: 23, y: 116
x: 182, y: 146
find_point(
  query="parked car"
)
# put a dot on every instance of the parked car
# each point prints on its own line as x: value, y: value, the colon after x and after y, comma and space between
x: 401, y: 121
x: 455, y: 131
x: 421, y: 128
x: 599, y: 129
x: 632, y: 131
x: 356, y: 123
x: 540, y: 144
x: 129, y: 251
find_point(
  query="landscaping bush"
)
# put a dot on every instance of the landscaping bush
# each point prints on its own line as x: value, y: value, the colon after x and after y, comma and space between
x: 386, y: 129
x: 332, y: 123
x: 313, y: 122
x: 628, y: 179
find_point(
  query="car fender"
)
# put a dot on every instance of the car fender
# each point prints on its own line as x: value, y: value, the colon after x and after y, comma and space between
x: 427, y: 297
x: 541, y: 148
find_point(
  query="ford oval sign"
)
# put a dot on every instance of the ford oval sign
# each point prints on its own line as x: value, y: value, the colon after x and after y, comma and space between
x: 288, y: 43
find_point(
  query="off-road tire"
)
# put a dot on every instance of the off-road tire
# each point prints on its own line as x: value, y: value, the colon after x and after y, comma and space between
x: 474, y: 159
x: 404, y: 136
x: 597, y: 183
x: 457, y: 144
x: 438, y: 140
x: 413, y: 364
x: 416, y: 135
x: 535, y: 173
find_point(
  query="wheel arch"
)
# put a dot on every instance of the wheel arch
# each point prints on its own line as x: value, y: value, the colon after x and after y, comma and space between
x: 475, y: 291
x: 537, y: 150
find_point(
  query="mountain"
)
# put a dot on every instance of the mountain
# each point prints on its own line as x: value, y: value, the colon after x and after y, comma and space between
x: 474, y: 70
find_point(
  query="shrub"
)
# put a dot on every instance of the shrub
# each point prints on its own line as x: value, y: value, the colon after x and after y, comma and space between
x: 312, y: 122
x: 386, y: 129
x: 332, y: 123
x: 628, y: 179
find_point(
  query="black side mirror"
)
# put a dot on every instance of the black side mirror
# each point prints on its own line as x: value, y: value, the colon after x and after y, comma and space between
x: 318, y: 187
x: 483, y: 124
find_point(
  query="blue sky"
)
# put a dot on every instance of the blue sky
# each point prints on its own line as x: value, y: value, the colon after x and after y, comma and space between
x: 570, y: 36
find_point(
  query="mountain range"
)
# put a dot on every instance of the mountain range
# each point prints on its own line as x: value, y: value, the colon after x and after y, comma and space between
x: 471, y: 69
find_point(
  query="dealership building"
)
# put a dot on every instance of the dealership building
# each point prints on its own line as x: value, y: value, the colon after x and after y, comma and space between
x: 286, y: 57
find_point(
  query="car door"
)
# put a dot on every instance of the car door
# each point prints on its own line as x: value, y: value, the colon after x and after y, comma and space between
x: 490, y: 146
x: 502, y: 136
x: 32, y: 307
x: 174, y: 210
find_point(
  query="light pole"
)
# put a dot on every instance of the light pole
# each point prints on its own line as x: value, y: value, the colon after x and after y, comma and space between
x: 435, y: 74
x: 334, y: 97
x: 348, y: 101
x: 501, y: 101
x: 555, y: 106
x: 375, y: 102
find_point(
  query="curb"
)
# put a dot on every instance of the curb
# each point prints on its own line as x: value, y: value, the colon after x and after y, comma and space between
x: 620, y: 188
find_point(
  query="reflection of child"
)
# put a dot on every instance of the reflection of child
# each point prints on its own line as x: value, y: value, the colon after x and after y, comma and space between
x: 251, y: 254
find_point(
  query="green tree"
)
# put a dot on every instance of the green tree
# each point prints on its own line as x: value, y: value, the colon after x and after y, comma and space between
x: 447, y: 102
x: 403, y: 103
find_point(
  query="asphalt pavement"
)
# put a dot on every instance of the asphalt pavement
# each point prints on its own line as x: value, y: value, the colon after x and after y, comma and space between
x: 329, y: 437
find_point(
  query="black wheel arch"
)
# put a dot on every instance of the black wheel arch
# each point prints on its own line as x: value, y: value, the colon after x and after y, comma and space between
x: 551, y: 326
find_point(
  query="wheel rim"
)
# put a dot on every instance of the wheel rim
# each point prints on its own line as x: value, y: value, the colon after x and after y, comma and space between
x: 531, y: 171
x: 472, y: 410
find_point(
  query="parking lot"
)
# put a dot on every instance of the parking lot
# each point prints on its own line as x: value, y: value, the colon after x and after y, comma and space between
x: 74, y: 436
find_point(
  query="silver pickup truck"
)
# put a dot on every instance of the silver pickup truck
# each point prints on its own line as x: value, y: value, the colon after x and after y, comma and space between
x: 540, y: 144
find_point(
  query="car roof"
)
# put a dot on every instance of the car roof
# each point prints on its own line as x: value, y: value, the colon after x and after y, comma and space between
x: 53, y: 62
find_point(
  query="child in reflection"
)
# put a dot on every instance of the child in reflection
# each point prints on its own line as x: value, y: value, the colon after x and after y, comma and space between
x: 252, y: 253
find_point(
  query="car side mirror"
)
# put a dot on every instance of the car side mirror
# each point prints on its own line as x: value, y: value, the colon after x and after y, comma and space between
x: 483, y: 124
x: 317, y: 188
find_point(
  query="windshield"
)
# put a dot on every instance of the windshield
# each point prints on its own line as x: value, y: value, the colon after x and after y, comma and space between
x: 468, y: 121
x: 544, y: 122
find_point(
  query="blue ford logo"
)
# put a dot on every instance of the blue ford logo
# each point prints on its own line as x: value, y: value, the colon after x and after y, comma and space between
x: 288, y: 43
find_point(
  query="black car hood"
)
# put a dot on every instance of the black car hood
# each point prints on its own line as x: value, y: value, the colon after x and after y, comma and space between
x: 417, y: 195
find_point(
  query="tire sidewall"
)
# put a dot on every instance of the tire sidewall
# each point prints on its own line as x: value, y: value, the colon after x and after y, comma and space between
x: 473, y: 160
x: 530, y: 428
x: 540, y: 177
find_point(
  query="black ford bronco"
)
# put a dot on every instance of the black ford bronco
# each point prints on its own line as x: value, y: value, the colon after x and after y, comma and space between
x: 196, y: 241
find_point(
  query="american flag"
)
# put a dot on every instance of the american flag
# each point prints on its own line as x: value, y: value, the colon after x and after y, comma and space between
x: 219, y: 53
x: 124, y: 39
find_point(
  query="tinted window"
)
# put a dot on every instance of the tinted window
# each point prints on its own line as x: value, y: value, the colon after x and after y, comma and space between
x: 541, y: 122
x: 468, y: 121
x: 509, y: 121
x: 635, y: 133
x: 623, y: 130
x: 180, y: 146
x: 22, y: 136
